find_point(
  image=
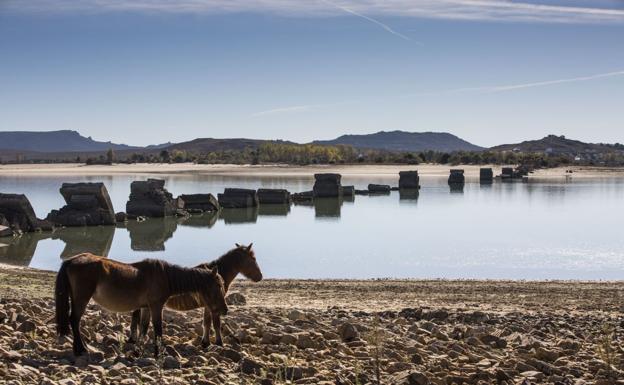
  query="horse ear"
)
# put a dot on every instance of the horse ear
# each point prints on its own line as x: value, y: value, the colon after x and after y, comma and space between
x: 249, y: 247
x: 237, y: 245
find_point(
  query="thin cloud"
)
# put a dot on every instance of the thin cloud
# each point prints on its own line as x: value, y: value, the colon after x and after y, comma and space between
x: 478, y: 10
x: 379, y: 23
x: 473, y: 90
x: 552, y: 82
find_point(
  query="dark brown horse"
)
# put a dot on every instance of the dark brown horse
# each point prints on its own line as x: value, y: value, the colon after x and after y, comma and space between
x: 241, y: 259
x: 122, y: 287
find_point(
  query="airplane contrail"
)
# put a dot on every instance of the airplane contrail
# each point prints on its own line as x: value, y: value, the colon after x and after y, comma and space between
x: 377, y: 22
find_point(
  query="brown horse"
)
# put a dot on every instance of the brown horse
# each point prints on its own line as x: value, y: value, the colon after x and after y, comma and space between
x: 121, y: 287
x: 241, y: 259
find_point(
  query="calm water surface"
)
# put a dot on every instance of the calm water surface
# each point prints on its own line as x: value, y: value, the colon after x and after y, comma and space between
x: 549, y: 230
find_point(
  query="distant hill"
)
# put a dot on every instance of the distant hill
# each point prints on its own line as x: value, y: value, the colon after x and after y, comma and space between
x: 560, y: 145
x: 54, y: 141
x: 404, y: 141
x: 204, y: 145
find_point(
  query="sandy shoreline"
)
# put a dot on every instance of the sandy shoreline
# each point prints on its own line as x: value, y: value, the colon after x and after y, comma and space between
x: 336, y: 332
x: 425, y: 170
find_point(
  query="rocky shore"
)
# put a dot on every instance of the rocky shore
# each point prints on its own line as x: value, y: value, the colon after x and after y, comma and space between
x: 335, y: 332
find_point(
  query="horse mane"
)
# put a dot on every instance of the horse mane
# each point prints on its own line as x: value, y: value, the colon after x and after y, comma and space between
x: 184, y: 279
x: 228, y: 261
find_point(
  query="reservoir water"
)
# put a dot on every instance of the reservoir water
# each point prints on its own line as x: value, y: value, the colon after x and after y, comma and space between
x: 537, y: 230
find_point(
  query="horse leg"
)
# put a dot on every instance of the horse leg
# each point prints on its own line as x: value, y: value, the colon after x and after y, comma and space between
x: 207, y: 324
x: 134, y: 326
x: 156, y: 311
x: 216, y: 323
x: 145, y: 320
x: 78, y: 308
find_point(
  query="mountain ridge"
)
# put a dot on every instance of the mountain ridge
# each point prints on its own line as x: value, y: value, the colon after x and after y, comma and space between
x: 54, y: 141
x: 398, y: 140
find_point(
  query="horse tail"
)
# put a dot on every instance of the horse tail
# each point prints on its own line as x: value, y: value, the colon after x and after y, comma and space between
x: 62, y: 293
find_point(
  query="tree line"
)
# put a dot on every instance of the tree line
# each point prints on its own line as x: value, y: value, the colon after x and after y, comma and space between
x: 308, y: 154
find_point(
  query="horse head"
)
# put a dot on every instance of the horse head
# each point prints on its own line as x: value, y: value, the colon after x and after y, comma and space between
x: 248, y: 264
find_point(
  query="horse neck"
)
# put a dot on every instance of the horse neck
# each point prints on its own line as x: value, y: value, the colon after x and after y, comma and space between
x: 182, y: 280
x: 229, y: 266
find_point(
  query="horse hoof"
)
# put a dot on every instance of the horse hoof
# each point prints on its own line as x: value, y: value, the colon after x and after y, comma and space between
x: 219, y: 343
x: 205, y: 344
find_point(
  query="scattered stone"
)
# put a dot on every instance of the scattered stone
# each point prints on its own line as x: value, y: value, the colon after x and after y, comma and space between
x: 27, y: 327
x: 410, y: 378
x: 235, y: 299
x: 249, y: 366
x: 348, y: 332
x: 170, y: 362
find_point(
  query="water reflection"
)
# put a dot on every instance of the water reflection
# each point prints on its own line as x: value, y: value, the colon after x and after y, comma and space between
x: 236, y: 216
x: 327, y: 207
x: 20, y: 250
x: 96, y: 240
x: 456, y: 188
x: 207, y: 219
x: 409, y: 194
x: 274, y: 209
x: 151, y: 234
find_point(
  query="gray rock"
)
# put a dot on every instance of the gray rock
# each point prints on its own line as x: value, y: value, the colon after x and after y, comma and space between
x: 27, y: 327
x: 198, y: 202
x: 273, y: 196
x: 235, y: 299
x: 410, y: 378
x: 18, y: 214
x: 87, y: 204
x: 456, y: 177
x: 170, y: 362
x: 121, y: 217
x: 327, y: 185
x: 233, y: 198
x: 249, y: 366
x: 150, y: 199
x: 348, y: 332
x: 409, y: 180
x: 378, y: 189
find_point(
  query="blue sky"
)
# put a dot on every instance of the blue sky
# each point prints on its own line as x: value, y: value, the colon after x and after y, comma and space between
x: 148, y: 71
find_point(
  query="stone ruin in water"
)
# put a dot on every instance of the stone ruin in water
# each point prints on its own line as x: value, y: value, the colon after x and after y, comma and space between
x: 87, y: 204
